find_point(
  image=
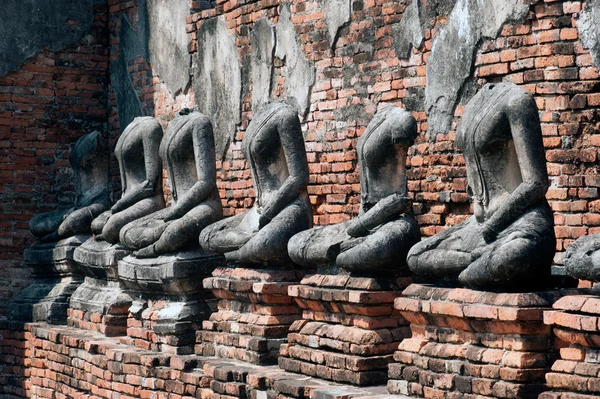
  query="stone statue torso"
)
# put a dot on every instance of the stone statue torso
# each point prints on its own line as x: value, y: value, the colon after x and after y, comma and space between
x: 129, y: 152
x: 90, y: 168
x: 262, y: 148
x: 381, y: 164
x: 177, y: 152
x: 486, y: 141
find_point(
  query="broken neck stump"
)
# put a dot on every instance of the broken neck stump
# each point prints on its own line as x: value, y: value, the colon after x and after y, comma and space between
x: 575, y: 321
x: 169, y: 303
x: 493, y: 345
x: 349, y: 328
x: 254, y: 314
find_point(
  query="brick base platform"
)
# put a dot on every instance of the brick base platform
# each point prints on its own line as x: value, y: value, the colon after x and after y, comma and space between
x: 575, y: 321
x: 43, y: 361
x: 149, y: 326
x: 469, y: 342
x: 349, y: 328
x: 169, y: 302
x: 254, y: 314
x: 100, y: 303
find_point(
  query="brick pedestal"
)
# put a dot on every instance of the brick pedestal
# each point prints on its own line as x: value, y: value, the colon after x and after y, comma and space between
x: 100, y: 303
x: 467, y: 342
x: 169, y: 302
x: 254, y: 314
x: 55, y: 280
x: 575, y: 321
x: 349, y: 328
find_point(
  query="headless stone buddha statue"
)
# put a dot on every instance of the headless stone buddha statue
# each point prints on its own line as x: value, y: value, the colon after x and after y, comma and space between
x: 188, y: 150
x: 274, y: 147
x: 140, y: 168
x: 385, y: 229
x: 509, y: 242
x: 89, y: 160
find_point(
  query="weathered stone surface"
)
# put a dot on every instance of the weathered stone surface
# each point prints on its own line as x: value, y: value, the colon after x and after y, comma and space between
x: 300, y: 73
x: 409, y: 32
x: 33, y: 25
x: 337, y: 15
x: 99, y: 259
x: 452, y: 54
x: 274, y: 147
x: 218, y: 80
x: 168, y: 42
x: 47, y: 298
x: 179, y: 273
x: 509, y: 243
x: 141, y: 171
x: 582, y: 258
x: 192, y: 176
x: 385, y: 229
x: 262, y: 39
x: 99, y: 296
x: 89, y: 160
x: 588, y: 26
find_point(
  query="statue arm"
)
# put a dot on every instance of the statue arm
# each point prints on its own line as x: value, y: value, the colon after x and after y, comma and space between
x: 386, y: 209
x: 153, y: 166
x: 291, y: 138
x: 206, y: 170
x: 527, y: 137
x: 80, y: 220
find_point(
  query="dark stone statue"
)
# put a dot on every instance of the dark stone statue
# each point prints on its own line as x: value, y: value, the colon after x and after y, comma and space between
x: 509, y: 243
x: 140, y: 168
x: 188, y: 150
x: 274, y: 147
x: 582, y: 259
x: 89, y: 160
x: 385, y: 229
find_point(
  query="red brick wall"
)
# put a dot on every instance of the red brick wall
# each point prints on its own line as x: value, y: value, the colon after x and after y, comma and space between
x: 47, y: 104
x: 60, y: 101
x: 543, y: 55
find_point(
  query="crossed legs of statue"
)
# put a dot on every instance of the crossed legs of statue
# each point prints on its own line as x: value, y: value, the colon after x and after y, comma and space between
x: 521, y: 252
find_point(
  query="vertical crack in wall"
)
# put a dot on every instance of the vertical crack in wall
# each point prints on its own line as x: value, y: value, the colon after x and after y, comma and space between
x: 453, y: 53
x: 218, y: 81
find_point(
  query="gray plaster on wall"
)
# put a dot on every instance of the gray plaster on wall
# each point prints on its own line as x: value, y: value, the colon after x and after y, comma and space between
x: 218, y: 81
x: 27, y: 26
x: 300, y: 75
x: 133, y: 43
x: 168, y: 42
x: 408, y: 33
x: 453, y: 53
x: 262, y: 39
x: 588, y: 26
x: 337, y: 15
